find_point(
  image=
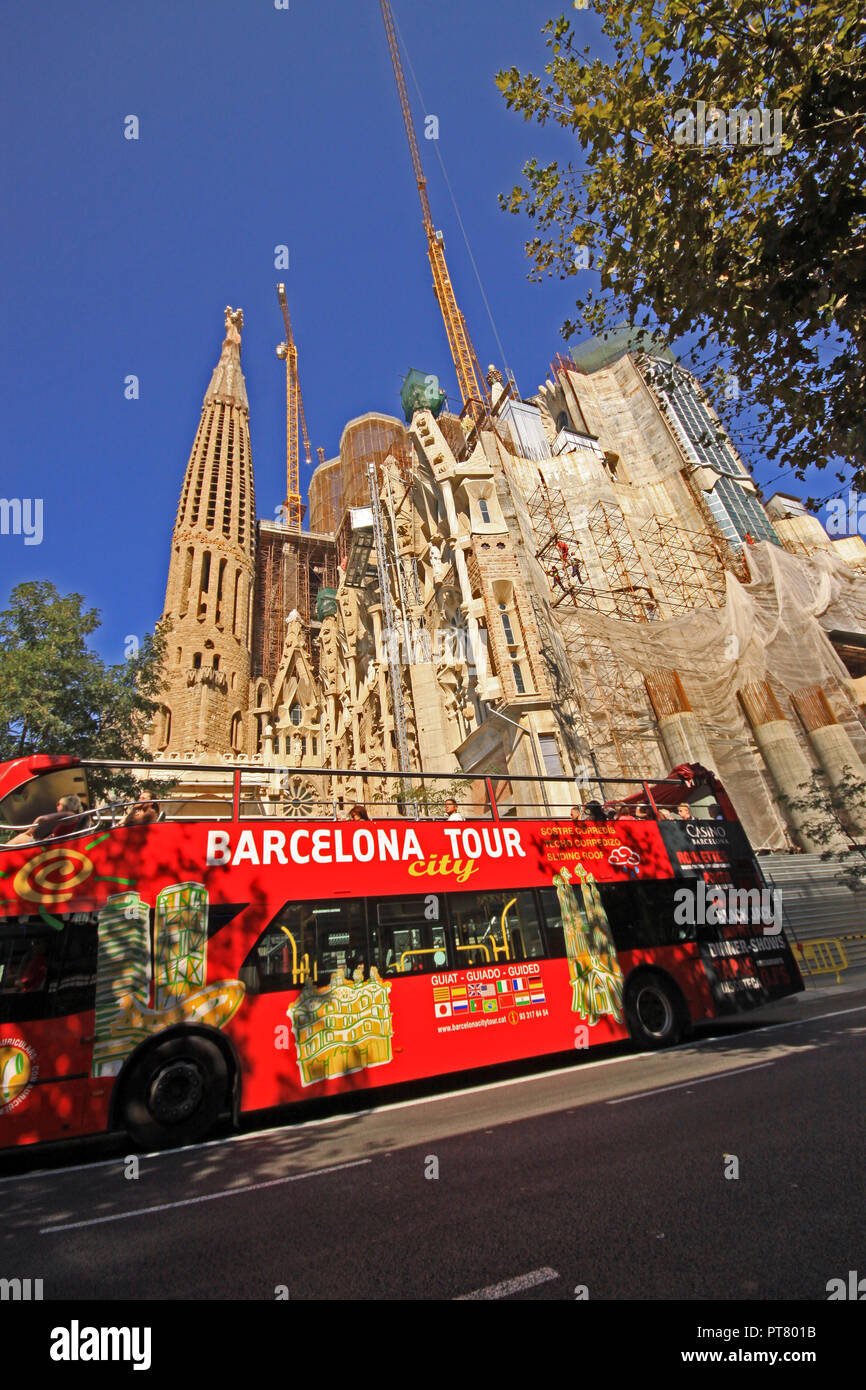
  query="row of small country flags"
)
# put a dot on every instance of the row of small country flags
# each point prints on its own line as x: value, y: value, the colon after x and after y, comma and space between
x: 489, y: 996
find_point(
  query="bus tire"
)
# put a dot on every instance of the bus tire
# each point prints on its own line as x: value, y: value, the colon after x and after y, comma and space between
x: 174, y: 1092
x: 655, y: 1011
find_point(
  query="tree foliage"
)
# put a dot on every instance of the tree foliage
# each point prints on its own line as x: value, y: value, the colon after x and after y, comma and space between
x: 57, y: 695
x: 829, y: 809
x: 760, y: 255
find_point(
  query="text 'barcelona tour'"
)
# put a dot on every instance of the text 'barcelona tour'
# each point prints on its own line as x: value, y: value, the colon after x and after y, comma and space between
x: 336, y: 845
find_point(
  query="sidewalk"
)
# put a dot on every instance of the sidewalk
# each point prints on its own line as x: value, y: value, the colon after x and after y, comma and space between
x: 827, y: 987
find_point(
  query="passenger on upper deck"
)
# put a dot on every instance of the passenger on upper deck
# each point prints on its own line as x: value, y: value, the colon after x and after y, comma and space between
x: 357, y: 812
x: 144, y: 812
x: 451, y: 811
x: 68, y: 819
x: 593, y: 810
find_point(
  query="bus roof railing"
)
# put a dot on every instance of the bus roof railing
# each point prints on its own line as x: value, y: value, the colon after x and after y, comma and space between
x: 277, y: 769
x: 252, y: 790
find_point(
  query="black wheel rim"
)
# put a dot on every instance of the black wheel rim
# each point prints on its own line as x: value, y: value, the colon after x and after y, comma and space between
x: 176, y: 1092
x: 654, y: 1011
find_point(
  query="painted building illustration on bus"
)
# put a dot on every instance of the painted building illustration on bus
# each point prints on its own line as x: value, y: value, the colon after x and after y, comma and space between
x: 124, y: 1017
x: 344, y: 1028
x: 593, y: 967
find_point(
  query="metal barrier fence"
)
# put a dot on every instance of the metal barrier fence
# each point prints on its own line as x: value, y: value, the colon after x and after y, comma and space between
x: 824, y: 919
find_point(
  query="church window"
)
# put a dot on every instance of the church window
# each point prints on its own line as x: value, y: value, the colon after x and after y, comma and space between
x: 201, y: 467
x: 236, y: 603
x: 216, y: 663
x: 484, y: 510
x: 204, y: 583
x: 215, y: 471
x: 163, y: 727
x: 236, y: 732
x: 550, y: 755
x: 518, y: 678
x: 506, y: 626
x: 221, y: 574
x: 196, y: 661
x: 295, y: 714
x: 187, y: 580
x: 227, y: 500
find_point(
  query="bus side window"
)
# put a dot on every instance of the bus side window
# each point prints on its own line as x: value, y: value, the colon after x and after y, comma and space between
x: 46, y: 972
x: 644, y: 916
x: 552, y: 913
x: 307, y: 941
x: 496, y: 926
x: 408, y: 935
x: 73, y: 988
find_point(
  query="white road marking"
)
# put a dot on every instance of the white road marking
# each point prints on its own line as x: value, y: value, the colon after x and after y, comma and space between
x: 510, y: 1286
x: 385, y: 1106
x: 208, y: 1197
x: 697, y: 1081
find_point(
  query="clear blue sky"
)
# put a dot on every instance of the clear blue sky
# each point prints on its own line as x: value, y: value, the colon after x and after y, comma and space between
x: 258, y: 127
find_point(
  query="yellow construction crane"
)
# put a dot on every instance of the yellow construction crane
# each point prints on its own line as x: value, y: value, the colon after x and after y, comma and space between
x: 470, y: 380
x: 288, y: 352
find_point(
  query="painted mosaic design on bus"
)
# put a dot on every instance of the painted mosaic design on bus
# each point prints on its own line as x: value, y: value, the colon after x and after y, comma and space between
x: 123, y: 975
x: 593, y: 966
x: 344, y: 1028
x: 52, y: 877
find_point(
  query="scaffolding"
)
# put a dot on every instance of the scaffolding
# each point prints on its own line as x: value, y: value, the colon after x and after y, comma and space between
x: 637, y: 569
x: 326, y: 497
x: 372, y: 438
x: 590, y: 559
x: 690, y: 565
x: 291, y: 568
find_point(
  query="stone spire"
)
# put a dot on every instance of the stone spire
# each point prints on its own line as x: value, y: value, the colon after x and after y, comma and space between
x: 210, y: 575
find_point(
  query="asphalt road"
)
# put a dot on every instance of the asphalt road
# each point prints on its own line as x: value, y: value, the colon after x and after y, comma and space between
x: 607, y: 1175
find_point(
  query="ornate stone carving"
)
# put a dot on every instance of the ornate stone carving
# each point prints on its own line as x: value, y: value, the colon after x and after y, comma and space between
x: 208, y: 675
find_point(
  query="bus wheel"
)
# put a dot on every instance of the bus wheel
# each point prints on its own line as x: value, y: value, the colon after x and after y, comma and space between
x: 174, y: 1093
x: 654, y: 1012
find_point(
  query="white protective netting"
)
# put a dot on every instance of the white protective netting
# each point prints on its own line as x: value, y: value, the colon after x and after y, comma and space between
x: 774, y: 629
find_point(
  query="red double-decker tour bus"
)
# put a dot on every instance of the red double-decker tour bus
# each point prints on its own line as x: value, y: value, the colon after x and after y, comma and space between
x: 166, y: 964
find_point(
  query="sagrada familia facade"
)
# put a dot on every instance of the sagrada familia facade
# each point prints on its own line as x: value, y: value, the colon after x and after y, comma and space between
x: 585, y: 583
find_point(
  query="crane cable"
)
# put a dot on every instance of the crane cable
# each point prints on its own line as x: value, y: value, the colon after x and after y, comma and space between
x: 499, y: 344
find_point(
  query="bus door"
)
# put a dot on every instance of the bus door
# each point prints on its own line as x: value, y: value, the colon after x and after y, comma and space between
x: 47, y: 996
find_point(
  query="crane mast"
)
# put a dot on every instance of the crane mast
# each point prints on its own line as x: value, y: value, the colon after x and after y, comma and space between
x: 294, y: 413
x: 469, y: 377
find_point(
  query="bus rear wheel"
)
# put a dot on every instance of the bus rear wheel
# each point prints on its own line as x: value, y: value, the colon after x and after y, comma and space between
x: 174, y: 1093
x: 654, y: 1012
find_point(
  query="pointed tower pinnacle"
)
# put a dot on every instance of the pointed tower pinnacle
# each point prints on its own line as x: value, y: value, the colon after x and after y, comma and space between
x: 210, y: 577
x: 227, y: 382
